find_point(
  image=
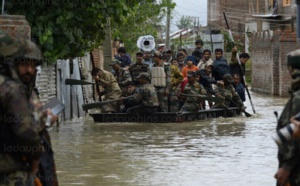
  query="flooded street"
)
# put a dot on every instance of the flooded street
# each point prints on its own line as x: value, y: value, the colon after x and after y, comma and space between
x: 223, y: 151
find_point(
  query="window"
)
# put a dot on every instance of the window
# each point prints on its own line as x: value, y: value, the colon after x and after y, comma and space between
x: 286, y: 2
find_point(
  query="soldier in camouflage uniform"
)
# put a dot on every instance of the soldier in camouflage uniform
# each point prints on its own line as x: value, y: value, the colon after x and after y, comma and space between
x: 288, y: 153
x: 193, y: 88
x: 111, y: 87
x: 228, y: 92
x: 122, y: 76
x: 161, y: 80
x: 20, y: 142
x: 138, y: 67
x: 176, y: 79
x: 146, y: 98
x: 26, y: 68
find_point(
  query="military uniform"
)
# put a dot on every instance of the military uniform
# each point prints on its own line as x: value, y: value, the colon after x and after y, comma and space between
x: 123, y: 77
x: 289, y: 152
x: 20, y: 143
x: 193, y: 103
x: 162, y: 88
x: 19, y: 139
x: 145, y: 99
x: 176, y: 79
x: 227, y: 91
x: 112, y: 91
x: 136, y: 69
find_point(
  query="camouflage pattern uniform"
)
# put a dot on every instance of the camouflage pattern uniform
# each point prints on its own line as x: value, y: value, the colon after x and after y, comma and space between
x: 47, y: 170
x: 145, y: 99
x: 161, y: 91
x: 112, y: 91
x: 229, y: 93
x: 16, y: 132
x: 289, y: 152
x: 136, y: 69
x: 123, y: 77
x: 176, y: 79
x: 19, y: 140
x: 193, y: 104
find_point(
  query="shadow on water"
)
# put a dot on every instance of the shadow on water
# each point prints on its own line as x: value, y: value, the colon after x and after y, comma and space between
x: 222, y: 151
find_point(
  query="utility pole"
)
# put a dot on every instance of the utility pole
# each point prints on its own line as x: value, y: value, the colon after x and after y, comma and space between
x: 107, y: 47
x: 298, y: 20
x: 167, y: 42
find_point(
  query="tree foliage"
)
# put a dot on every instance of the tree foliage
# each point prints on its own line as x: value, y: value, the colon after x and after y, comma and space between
x: 68, y: 28
x: 145, y: 19
x: 184, y: 22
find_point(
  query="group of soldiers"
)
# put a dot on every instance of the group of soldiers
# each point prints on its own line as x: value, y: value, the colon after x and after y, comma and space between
x: 172, y: 84
x: 26, y: 156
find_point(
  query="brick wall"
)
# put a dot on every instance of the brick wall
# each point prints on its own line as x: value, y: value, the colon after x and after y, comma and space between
x: 98, y: 57
x: 269, y: 69
x: 15, y: 25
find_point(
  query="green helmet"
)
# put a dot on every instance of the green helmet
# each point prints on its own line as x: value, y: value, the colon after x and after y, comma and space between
x: 31, y: 52
x: 8, y: 46
x: 294, y: 59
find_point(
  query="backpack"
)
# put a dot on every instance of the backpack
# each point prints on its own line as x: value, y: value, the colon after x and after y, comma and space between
x: 220, y: 69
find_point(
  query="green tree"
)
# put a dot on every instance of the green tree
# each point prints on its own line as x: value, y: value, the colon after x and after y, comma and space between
x: 145, y: 19
x: 66, y: 29
x: 184, y: 22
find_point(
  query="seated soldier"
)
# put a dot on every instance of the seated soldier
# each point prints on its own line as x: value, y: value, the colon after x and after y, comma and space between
x: 131, y: 90
x: 145, y: 99
x: 111, y: 87
x: 122, y: 76
x: 193, y: 91
x: 228, y: 92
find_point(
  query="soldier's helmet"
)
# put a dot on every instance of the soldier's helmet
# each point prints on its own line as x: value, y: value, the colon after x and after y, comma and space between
x: 228, y: 78
x: 144, y: 75
x: 8, y: 46
x: 31, y: 52
x: 294, y: 59
x: 115, y: 62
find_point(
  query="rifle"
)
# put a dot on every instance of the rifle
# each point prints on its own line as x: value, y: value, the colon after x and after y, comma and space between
x: 77, y: 82
x: 246, y: 113
x: 97, y: 84
x: 88, y: 106
x: 238, y: 58
x: 208, y: 98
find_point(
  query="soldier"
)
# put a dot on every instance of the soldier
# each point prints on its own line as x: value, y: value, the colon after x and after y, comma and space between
x: 112, y: 90
x: 288, y: 154
x: 161, y: 80
x: 176, y: 79
x: 145, y: 99
x: 228, y: 92
x: 122, y: 76
x: 26, y: 68
x: 195, y: 90
x: 138, y: 67
x: 20, y: 142
x: 147, y: 59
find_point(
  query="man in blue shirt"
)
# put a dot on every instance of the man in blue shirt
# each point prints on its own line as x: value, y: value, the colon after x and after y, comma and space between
x: 239, y: 88
x: 123, y: 57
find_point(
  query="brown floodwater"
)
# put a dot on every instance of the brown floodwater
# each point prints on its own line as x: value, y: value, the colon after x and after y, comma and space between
x: 222, y: 151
